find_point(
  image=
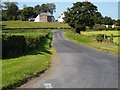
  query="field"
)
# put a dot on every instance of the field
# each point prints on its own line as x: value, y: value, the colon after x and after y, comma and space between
x: 108, y: 33
x: 16, y: 71
x: 28, y: 24
x: 82, y: 39
x: 28, y: 32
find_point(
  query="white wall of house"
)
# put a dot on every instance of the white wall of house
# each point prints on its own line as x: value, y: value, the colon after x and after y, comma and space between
x: 60, y: 19
x: 37, y: 19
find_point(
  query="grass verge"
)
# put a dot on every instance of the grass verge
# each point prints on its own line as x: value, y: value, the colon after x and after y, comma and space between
x: 84, y: 40
x: 17, y: 71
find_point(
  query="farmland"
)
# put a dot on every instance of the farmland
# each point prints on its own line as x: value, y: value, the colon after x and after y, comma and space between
x: 34, y: 25
x: 108, y: 33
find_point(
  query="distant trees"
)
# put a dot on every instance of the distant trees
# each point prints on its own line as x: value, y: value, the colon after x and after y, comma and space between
x: 107, y: 20
x: 118, y: 22
x: 27, y: 12
x: 49, y: 7
x: 10, y: 10
x: 82, y: 14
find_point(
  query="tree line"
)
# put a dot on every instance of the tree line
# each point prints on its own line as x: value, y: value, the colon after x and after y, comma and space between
x: 85, y: 14
x: 11, y: 11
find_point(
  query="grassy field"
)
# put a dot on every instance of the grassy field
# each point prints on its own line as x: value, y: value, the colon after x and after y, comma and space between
x: 108, y: 33
x: 24, y: 32
x: 99, y: 32
x: 106, y: 47
x: 17, y: 70
x: 28, y: 24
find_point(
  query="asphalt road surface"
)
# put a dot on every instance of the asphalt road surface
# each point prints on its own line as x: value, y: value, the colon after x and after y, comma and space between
x: 80, y: 67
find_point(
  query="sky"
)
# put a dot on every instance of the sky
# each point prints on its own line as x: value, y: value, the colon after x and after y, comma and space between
x: 106, y: 7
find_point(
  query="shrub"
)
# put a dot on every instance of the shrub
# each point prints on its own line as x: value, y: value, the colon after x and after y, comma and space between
x: 101, y: 37
x: 15, y: 45
x: 12, y: 45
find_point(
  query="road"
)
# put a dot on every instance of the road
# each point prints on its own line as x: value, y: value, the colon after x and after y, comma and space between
x: 79, y: 67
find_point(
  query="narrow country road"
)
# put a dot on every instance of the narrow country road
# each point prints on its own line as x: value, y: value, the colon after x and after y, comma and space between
x: 79, y: 67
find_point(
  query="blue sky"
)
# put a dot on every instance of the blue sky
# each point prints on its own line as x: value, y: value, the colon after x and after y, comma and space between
x: 107, y: 8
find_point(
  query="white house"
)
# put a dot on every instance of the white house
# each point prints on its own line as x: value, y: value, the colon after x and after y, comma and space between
x: 44, y: 17
x: 61, y: 18
x: 37, y: 19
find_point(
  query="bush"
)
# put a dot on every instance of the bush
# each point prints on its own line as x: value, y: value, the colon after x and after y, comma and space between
x: 16, y: 45
x: 101, y: 37
x: 12, y: 46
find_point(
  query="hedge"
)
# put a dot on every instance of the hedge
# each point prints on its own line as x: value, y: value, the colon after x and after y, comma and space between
x: 101, y: 37
x: 12, y: 45
x: 16, y: 45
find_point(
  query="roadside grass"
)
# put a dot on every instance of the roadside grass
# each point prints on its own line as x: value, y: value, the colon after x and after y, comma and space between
x: 30, y: 24
x: 16, y: 71
x: 87, y: 41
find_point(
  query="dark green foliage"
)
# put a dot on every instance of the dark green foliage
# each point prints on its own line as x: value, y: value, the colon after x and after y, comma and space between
x: 118, y: 22
x: 98, y: 18
x: 27, y: 13
x: 79, y: 28
x: 107, y: 20
x: 15, y: 45
x: 49, y: 35
x: 10, y: 11
x: 82, y: 14
x: 12, y: 46
x: 101, y: 37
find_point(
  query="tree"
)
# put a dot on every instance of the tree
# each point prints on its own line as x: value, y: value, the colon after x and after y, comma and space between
x: 118, y: 22
x: 107, y: 20
x: 11, y: 9
x: 27, y: 13
x: 51, y: 7
x: 98, y: 18
x: 37, y: 9
x: 79, y: 16
x: 114, y: 21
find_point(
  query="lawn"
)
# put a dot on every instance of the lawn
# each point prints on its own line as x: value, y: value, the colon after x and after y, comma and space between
x: 87, y: 41
x: 30, y: 24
